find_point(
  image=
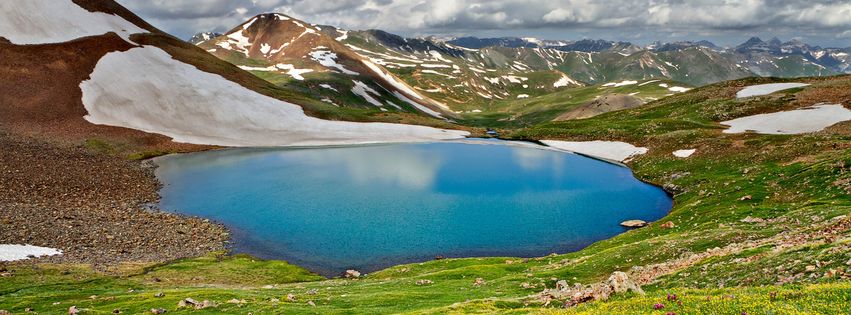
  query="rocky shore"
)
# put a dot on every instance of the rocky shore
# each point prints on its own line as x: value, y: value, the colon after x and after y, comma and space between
x: 94, y: 207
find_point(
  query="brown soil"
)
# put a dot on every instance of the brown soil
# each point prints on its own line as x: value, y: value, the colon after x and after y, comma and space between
x: 604, y: 104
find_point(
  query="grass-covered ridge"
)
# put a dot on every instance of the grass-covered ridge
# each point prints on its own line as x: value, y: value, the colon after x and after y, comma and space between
x: 761, y: 226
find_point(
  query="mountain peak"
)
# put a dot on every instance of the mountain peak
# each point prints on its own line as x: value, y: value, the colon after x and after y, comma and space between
x: 203, y: 37
x: 753, y: 41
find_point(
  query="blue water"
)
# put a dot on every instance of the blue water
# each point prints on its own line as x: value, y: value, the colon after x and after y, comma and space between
x: 370, y: 207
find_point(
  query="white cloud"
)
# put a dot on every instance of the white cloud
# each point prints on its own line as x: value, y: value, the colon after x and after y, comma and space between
x: 445, y: 16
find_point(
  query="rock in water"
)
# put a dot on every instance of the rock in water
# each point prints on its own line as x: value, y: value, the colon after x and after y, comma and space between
x: 633, y: 223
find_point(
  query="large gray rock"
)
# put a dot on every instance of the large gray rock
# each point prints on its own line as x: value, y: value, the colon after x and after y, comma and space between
x: 634, y: 223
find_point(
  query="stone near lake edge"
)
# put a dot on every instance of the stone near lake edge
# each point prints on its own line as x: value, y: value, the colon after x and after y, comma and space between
x: 634, y: 223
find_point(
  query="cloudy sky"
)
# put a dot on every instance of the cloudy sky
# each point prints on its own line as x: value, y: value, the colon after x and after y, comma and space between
x: 726, y: 22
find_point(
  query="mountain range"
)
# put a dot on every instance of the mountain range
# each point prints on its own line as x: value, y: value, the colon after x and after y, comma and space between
x: 483, y: 79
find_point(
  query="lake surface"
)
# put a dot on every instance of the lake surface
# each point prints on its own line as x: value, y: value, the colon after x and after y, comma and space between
x: 369, y: 207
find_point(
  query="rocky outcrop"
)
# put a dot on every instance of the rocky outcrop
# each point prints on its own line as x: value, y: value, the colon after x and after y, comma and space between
x: 617, y: 283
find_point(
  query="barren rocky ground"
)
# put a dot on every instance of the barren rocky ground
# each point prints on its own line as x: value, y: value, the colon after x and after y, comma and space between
x: 94, y: 207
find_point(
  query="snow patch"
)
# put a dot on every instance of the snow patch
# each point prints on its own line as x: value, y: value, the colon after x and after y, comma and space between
x: 765, y: 89
x: 417, y: 105
x: 390, y: 79
x: 329, y: 87
x: 13, y: 252
x: 799, y: 121
x: 684, y: 153
x: 678, y: 89
x: 292, y: 71
x: 146, y: 89
x: 363, y: 90
x: 610, y: 150
x: 344, y: 35
x: 622, y: 83
x: 329, y: 60
x: 523, y: 96
x: 565, y: 81
x: 55, y: 21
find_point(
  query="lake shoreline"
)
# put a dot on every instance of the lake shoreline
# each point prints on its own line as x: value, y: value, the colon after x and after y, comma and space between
x: 216, y: 236
x: 176, y: 170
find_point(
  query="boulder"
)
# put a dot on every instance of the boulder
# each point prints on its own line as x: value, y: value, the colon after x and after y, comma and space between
x: 668, y: 225
x: 633, y: 223
x: 351, y: 274
x: 620, y: 283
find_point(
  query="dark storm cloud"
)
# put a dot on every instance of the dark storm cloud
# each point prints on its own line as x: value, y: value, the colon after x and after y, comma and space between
x: 827, y: 20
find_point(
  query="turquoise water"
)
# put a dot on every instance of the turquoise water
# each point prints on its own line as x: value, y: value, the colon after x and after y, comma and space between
x: 370, y: 207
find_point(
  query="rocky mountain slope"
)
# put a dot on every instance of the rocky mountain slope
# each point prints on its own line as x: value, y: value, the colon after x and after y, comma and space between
x: 467, y: 78
x: 107, y: 68
x: 295, y: 54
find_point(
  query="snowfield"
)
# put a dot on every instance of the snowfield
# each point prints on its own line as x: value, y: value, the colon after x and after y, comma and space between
x: 56, y: 21
x: 765, y: 89
x: 12, y: 252
x: 145, y: 89
x: 610, y: 150
x: 799, y: 121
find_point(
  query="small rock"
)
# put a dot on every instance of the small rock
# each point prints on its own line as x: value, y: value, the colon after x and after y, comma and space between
x: 479, y: 282
x: 750, y: 219
x: 290, y: 297
x: 748, y: 197
x: 204, y: 304
x: 312, y: 291
x: 188, y: 302
x: 274, y: 300
x: 235, y: 301
x: 158, y: 311
x: 73, y: 310
x: 668, y: 225
x: 311, y: 303
x: 810, y: 268
x: 159, y: 295
x: 351, y: 274
x: 424, y: 282
x: 116, y: 311
x: 633, y: 223
x: 4, y: 312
